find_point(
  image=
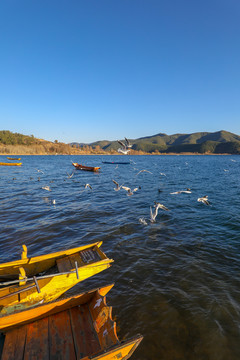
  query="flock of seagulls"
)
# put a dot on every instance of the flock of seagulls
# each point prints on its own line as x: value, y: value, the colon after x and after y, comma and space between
x: 125, y: 147
x: 154, y: 210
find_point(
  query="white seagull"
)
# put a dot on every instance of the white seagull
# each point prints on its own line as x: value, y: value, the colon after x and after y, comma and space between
x: 123, y: 151
x: 130, y: 192
x: 143, y: 171
x: 118, y: 187
x: 128, y: 145
x: 87, y: 186
x: 46, y: 188
x: 142, y: 221
x: 188, y: 191
x: 160, y: 206
x: 125, y: 147
x: 204, y: 200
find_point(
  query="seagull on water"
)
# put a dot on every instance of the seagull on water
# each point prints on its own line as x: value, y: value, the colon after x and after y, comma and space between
x: 46, y: 188
x: 204, y: 200
x: 118, y: 187
x: 188, y: 191
x: 130, y: 192
x: 40, y: 171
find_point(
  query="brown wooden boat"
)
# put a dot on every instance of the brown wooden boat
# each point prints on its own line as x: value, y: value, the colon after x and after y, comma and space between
x: 78, y: 327
x: 87, y: 168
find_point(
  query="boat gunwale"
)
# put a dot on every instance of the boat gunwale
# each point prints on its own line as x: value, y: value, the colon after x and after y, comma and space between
x: 52, y: 307
x: 40, y: 258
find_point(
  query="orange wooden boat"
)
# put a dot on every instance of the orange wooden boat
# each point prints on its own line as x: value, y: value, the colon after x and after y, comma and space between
x: 10, y: 164
x: 10, y: 158
x: 77, y: 328
x: 86, y: 168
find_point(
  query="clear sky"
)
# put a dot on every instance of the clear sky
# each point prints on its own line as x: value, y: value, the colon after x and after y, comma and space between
x: 88, y: 70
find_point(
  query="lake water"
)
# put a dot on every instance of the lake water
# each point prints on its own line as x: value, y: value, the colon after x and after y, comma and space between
x: 177, y: 281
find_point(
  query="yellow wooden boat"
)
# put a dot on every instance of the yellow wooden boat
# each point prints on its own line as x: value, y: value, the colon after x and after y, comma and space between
x: 44, y: 278
x: 77, y: 328
x: 10, y: 158
x: 10, y: 164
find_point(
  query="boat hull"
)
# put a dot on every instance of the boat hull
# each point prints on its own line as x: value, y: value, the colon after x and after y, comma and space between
x: 10, y: 164
x: 79, y: 327
x: 86, y: 168
x: 67, y: 271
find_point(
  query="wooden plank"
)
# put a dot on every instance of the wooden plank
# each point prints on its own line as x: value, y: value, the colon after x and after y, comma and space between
x: 61, y: 345
x: 85, y: 337
x: 75, y: 257
x: 14, y: 344
x: 89, y: 256
x: 37, y: 340
x: 64, y: 264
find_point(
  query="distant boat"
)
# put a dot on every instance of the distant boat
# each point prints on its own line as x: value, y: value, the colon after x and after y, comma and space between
x: 116, y: 162
x: 10, y: 158
x: 10, y: 164
x: 86, y: 168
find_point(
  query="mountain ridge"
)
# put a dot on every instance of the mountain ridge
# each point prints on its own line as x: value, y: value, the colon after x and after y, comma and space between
x: 193, y: 142
x: 219, y: 142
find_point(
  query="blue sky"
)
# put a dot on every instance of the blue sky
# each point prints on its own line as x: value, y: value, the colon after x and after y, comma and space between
x: 88, y: 70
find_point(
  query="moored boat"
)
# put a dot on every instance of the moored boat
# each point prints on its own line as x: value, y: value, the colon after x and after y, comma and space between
x: 44, y: 278
x: 10, y: 164
x: 10, y: 158
x: 116, y: 162
x: 78, y: 327
x: 87, y: 168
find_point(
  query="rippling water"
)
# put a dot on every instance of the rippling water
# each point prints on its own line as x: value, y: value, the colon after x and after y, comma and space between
x: 177, y: 281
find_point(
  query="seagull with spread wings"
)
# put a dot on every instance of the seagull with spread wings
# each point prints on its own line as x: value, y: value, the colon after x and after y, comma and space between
x: 204, y: 200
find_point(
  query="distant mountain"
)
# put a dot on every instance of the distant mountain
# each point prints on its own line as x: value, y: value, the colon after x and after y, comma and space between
x: 200, y: 142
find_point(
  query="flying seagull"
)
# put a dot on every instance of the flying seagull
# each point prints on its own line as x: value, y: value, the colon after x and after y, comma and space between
x: 204, y: 200
x: 123, y: 151
x: 130, y: 192
x: 125, y: 147
x: 118, y: 187
x: 87, y: 186
x: 160, y: 206
x: 128, y: 145
x: 143, y: 171
x: 70, y: 175
x: 142, y: 221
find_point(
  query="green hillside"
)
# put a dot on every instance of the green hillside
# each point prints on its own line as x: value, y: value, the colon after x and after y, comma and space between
x: 9, y: 138
x: 200, y: 142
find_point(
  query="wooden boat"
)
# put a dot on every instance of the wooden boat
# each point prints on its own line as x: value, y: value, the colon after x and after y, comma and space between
x: 87, y: 168
x: 10, y: 164
x: 78, y: 327
x: 44, y: 278
x: 9, y: 158
x: 116, y: 162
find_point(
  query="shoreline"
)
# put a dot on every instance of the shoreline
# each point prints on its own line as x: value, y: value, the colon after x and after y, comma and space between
x: 104, y: 154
